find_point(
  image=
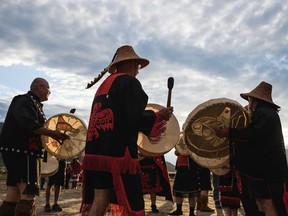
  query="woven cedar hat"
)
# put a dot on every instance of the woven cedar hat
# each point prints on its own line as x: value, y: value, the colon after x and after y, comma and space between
x: 263, y: 92
x: 125, y: 53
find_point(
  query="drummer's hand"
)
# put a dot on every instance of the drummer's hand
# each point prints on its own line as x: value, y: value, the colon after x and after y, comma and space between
x: 222, y: 132
x: 166, y: 113
x: 59, y: 136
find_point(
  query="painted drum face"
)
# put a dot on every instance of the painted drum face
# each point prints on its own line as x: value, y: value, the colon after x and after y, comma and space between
x: 199, y: 129
x: 72, y: 126
x: 167, y: 141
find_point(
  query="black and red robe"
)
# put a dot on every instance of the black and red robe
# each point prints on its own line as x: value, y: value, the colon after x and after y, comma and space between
x: 117, y: 116
x: 155, y: 177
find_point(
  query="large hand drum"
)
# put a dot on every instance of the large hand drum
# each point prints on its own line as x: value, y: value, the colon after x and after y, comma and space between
x: 181, y: 146
x: 210, y: 163
x: 168, y: 139
x: 72, y: 126
x: 201, y: 123
x: 221, y: 171
x: 50, y: 167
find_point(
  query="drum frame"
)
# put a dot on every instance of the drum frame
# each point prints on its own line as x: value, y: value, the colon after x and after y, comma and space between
x: 57, y: 149
x: 167, y: 141
x: 52, y: 170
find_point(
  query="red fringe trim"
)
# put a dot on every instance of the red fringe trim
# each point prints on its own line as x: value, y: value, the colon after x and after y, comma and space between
x: 123, y: 207
x: 113, y: 210
x: 85, y: 208
x: 118, y: 210
x: 158, y: 129
x: 115, y: 165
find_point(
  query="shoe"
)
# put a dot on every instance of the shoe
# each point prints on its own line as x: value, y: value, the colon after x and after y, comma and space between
x: 176, y: 212
x: 56, y: 208
x: 47, y: 208
x: 154, y: 209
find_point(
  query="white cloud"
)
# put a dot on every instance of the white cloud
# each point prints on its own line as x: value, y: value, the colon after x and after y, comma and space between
x: 212, y: 48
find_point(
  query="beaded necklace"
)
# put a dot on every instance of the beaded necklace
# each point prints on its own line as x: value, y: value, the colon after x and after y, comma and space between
x: 38, y: 106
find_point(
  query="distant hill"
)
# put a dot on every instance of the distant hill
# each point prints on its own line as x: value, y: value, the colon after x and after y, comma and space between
x: 170, y: 167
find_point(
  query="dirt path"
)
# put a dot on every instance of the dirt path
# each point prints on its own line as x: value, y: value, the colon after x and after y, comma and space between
x: 70, y: 200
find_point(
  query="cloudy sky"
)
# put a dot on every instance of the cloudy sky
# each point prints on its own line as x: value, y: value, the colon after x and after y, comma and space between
x: 213, y: 49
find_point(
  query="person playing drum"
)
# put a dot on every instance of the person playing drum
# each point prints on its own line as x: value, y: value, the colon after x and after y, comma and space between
x: 21, y: 148
x: 264, y: 161
x: 111, y: 171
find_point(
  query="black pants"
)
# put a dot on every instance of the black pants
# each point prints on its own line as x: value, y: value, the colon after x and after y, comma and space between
x: 67, y: 180
x: 249, y: 204
x: 277, y: 190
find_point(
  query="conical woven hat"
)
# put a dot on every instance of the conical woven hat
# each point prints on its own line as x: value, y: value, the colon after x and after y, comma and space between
x: 263, y: 92
x: 125, y: 53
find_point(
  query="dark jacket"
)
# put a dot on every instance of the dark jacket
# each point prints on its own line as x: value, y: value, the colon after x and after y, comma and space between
x: 117, y: 116
x: 24, y: 115
x: 261, y: 152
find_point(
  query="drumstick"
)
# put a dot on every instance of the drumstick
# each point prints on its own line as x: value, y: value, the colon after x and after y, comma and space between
x: 170, y: 83
x: 73, y: 110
